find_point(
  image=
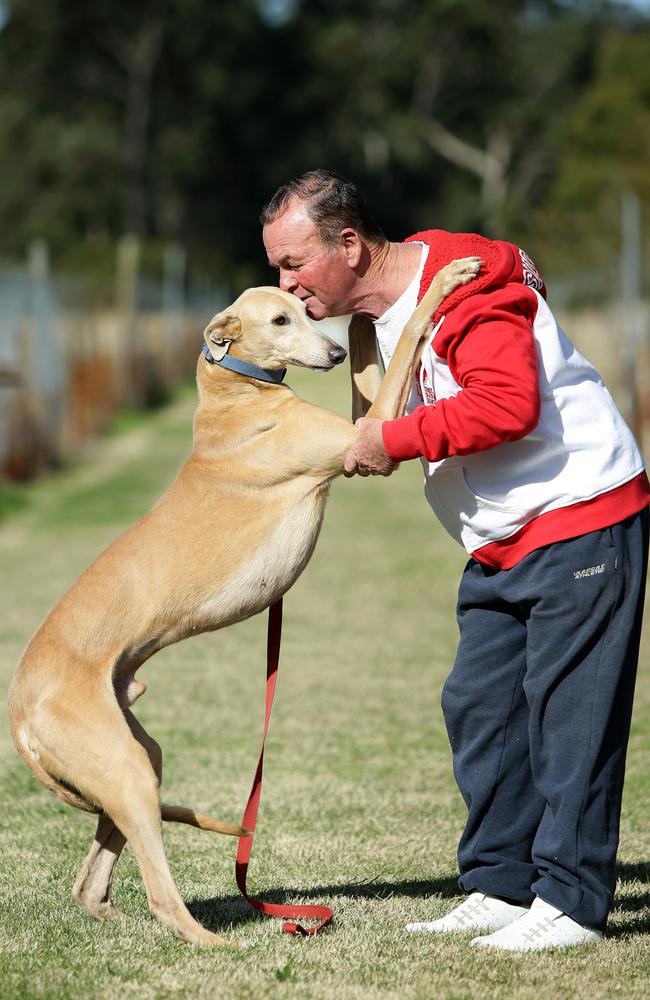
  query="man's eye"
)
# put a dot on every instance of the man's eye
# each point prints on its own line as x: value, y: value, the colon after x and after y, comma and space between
x: 280, y: 320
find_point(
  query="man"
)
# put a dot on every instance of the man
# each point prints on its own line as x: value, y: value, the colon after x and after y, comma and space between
x: 529, y: 465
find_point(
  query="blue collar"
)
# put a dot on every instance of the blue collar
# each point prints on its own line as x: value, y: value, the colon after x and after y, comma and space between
x: 246, y: 367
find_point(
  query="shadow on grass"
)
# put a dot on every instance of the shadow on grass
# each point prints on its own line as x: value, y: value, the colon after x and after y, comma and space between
x: 222, y: 912
x: 632, y: 910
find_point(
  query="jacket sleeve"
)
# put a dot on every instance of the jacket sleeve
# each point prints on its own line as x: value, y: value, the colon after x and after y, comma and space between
x: 490, y: 349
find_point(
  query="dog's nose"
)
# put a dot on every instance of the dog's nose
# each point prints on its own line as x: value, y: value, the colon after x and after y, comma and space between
x: 337, y: 354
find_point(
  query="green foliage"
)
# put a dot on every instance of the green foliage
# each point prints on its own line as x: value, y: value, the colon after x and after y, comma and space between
x: 607, y: 143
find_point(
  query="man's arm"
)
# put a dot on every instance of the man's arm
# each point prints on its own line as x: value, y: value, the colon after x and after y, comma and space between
x: 365, y: 373
x: 493, y: 357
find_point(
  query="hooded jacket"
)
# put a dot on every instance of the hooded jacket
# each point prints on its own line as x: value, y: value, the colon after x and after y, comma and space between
x: 520, y: 440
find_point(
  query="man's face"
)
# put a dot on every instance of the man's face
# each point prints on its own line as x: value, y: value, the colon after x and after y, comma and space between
x: 320, y: 275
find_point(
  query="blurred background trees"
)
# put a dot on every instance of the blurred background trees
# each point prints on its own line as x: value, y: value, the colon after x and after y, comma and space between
x: 175, y: 120
x: 138, y: 143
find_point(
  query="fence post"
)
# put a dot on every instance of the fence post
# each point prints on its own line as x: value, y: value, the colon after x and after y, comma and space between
x: 635, y: 342
x: 173, y: 297
x: 45, y: 377
x: 126, y: 288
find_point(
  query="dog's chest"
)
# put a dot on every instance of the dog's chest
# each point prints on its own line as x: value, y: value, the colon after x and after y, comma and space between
x: 271, y: 569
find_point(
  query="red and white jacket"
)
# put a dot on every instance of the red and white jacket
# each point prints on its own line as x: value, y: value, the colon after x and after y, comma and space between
x: 519, y: 438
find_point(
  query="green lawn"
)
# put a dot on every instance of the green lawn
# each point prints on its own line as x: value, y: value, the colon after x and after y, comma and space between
x: 359, y: 808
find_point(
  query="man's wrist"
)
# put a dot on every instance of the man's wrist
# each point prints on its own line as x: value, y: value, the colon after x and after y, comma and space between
x: 398, y: 438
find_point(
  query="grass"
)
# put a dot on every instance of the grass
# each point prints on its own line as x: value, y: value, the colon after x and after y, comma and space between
x: 12, y: 499
x: 359, y: 806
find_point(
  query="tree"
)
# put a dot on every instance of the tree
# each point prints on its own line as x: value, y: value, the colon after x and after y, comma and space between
x: 177, y: 119
x: 606, y: 152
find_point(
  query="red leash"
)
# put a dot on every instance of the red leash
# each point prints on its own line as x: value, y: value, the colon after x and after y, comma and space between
x: 245, y: 846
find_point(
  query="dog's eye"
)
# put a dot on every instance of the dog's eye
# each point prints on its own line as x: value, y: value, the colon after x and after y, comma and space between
x: 280, y: 320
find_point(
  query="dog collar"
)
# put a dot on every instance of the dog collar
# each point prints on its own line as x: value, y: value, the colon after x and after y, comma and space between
x: 246, y: 367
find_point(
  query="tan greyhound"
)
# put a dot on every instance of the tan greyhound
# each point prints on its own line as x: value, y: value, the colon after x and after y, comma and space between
x: 261, y: 464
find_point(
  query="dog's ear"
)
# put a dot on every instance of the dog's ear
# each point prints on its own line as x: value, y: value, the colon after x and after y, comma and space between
x: 220, y: 332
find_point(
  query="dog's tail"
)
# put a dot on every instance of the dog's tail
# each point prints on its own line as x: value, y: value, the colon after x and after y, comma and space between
x: 180, y: 814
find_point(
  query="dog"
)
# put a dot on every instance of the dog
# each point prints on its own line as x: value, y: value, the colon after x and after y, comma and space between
x: 226, y: 540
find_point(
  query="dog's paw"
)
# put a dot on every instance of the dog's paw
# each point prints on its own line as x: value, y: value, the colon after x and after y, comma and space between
x: 457, y: 273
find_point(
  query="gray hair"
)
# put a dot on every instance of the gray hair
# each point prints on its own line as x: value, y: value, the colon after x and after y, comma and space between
x: 331, y: 202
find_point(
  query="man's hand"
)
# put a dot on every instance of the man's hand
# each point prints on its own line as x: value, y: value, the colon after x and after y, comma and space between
x: 367, y: 456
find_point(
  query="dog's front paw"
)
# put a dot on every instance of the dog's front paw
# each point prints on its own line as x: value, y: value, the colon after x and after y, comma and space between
x: 457, y: 273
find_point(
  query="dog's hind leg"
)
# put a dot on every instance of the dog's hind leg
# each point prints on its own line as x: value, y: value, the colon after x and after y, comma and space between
x: 135, y: 809
x: 125, y: 785
x: 93, y: 886
x: 92, y: 890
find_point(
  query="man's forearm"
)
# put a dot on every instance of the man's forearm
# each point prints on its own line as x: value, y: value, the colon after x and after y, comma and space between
x: 365, y: 372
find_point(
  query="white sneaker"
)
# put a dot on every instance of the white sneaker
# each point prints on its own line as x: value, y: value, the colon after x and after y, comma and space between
x: 542, y: 926
x: 477, y: 913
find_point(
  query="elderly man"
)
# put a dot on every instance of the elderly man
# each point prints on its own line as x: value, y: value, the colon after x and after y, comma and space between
x: 529, y: 465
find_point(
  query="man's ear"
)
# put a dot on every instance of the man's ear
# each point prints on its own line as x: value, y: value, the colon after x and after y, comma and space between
x: 352, y: 245
x: 220, y: 332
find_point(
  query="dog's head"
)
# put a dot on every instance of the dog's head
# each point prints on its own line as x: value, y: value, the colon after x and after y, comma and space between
x: 270, y: 328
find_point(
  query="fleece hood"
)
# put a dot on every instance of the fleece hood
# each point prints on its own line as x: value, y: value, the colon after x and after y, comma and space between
x: 502, y: 263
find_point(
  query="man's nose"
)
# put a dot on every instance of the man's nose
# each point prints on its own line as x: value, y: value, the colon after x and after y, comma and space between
x: 288, y: 281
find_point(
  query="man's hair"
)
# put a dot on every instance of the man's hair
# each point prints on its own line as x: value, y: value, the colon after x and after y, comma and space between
x: 331, y: 202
